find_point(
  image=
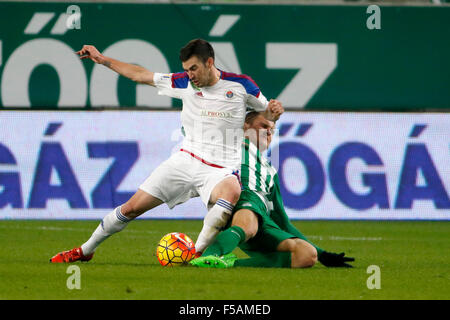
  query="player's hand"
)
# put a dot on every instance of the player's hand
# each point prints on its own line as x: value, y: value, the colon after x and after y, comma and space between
x: 92, y: 53
x: 275, y: 108
x: 330, y: 259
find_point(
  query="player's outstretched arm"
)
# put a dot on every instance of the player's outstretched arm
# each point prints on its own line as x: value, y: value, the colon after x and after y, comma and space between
x: 128, y: 70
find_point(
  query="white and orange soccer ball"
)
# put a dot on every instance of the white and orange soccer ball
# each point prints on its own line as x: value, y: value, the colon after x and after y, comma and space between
x: 175, y: 249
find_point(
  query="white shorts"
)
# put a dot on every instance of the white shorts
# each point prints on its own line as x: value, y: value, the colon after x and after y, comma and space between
x: 184, y: 176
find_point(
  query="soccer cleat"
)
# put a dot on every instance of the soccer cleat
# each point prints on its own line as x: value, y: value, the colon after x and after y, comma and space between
x: 222, y: 262
x: 208, y: 262
x: 230, y: 258
x: 76, y: 254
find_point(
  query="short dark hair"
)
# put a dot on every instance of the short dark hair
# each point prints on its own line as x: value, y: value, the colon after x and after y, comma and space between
x: 251, y: 116
x: 197, y: 47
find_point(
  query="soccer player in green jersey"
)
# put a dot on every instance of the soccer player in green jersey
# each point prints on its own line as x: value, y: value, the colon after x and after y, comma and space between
x: 260, y: 225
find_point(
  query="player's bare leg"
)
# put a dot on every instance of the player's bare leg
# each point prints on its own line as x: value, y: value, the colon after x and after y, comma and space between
x: 224, y: 196
x: 303, y: 254
x: 228, y: 189
x: 247, y: 221
x: 138, y: 204
x: 112, y: 223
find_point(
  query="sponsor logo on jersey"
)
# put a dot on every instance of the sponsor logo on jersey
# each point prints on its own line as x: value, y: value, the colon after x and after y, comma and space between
x: 200, y: 94
x: 215, y: 114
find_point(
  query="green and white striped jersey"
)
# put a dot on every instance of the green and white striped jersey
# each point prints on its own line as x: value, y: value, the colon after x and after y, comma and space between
x: 260, y: 177
x: 257, y: 174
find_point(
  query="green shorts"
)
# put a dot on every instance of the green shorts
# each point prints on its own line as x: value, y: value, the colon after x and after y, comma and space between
x: 269, y: 234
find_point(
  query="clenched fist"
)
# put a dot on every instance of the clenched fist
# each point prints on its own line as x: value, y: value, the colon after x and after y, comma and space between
x: 276, y: 109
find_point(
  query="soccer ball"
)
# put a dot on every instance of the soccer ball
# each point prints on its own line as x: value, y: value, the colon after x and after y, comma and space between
x: 175, y: 249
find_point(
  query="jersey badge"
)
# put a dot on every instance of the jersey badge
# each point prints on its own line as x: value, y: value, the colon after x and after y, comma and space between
x: 229, y: 94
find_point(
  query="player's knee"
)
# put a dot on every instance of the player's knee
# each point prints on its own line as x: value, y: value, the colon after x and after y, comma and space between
x: 250, y: 230
x: 247, y: 221
x: 235, y: 192
x: 228, y: 189
x: 232, y: 190
x: 311, y: 257
x: 304, y: 255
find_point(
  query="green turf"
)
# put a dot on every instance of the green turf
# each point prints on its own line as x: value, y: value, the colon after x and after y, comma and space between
x: 413, y: 258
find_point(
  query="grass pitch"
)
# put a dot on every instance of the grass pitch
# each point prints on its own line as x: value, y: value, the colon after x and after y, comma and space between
x: 413, y: 258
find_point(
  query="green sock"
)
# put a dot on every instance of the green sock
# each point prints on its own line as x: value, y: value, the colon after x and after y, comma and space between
x: 269, y: 260
x: 226, y: 242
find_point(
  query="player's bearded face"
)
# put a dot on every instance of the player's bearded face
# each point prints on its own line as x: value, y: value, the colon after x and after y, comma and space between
x: 199, y: 72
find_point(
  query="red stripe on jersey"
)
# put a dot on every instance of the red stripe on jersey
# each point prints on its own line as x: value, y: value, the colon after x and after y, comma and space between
x: 202, y: 160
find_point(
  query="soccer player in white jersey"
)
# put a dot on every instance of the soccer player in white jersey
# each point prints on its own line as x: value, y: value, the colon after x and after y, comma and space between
x: 213, y: 113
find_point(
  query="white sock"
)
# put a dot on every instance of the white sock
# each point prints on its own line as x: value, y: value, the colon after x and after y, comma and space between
x: 112, y: 223
x: 215, y: 220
